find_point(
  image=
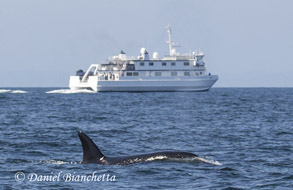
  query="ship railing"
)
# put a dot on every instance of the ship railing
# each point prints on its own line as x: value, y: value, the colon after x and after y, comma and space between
x: 116, y: 58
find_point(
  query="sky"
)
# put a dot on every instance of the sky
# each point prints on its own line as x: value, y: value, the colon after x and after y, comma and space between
x: 248, y: 43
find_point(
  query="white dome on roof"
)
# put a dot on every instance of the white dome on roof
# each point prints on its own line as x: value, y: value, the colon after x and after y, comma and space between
x: 142, y: 50
x: 173, y: 52
x: 155, y: 55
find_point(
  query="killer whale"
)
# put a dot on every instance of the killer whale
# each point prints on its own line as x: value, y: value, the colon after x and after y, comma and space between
x: 92, y: 154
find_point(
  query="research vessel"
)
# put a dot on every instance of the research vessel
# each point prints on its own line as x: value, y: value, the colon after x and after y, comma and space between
x: 121, y: 73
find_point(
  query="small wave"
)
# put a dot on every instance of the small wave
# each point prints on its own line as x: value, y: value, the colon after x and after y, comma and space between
x: 16, y: 161
x: 68, y: 91
x: 12, y: 91
x: 4, y: 91
x: 228, y: 169
x: 209, y: 161
x: 57, y: 162
x: 18, y: 91
x: 198, y: 159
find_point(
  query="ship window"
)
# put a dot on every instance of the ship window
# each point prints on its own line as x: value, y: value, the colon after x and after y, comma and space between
x: 141, y: 63
x: 187, y: 73
x: 158, y: 73
x: 173, y: 63
x: 173, y: 73
x: 164, y: 64
x: 186, y: 63
x: 129, y: 74
x: 135, y: 73
x: 151, y: 64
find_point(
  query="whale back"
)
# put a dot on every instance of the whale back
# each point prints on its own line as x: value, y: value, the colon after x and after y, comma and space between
x: 91, y: 153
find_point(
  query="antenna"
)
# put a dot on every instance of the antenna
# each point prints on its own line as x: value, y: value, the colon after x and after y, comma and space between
x: 170, y: 39
x: 172, y: 50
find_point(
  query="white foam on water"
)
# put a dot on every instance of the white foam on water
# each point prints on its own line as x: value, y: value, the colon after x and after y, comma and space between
x: 12, y: 91
x: 18, y: 92
x: 198, y: 159
x: 57, y: 162
x: 4, y: 91
x: 69, y: 91
x: 209, y: 161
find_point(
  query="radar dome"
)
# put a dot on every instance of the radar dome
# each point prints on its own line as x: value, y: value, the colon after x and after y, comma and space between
x: 155, y: 55
x: 142, y: 50
x: 173, y: 52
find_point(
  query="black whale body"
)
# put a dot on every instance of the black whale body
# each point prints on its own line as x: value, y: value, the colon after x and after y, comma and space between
x: 92, y: 154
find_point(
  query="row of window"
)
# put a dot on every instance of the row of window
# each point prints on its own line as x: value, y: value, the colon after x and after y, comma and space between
x: 129, y: 74
x: 164, y: 64
x: 173, y: 73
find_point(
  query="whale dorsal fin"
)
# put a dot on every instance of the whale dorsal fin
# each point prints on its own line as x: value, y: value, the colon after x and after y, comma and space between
x: 91, y: 153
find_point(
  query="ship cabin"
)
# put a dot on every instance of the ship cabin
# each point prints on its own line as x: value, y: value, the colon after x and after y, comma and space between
x: 122, y: 67
x: 173, y: 72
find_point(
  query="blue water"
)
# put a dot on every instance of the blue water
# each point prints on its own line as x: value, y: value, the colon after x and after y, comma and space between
x: 246, y: 134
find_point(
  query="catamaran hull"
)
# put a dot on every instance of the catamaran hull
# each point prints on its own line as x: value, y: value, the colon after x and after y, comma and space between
x: 198, y: 84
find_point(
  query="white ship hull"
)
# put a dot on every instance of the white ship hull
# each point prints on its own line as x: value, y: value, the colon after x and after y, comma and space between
x: 159, y: 85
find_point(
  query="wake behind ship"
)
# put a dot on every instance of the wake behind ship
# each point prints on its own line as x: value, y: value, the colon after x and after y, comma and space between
x: 175, y: 72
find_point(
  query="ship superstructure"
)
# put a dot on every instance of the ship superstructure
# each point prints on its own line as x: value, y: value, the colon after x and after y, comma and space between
x: 174, y: 72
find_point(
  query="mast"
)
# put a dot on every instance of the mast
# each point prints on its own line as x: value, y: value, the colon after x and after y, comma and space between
x: 172, y: 50
x: 170, y: 40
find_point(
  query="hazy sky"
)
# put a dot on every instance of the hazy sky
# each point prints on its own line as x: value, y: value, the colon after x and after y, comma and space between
x: 248, y: 43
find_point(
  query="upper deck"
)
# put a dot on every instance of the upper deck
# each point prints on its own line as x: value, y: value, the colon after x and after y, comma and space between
x: 121, y: 67
x: 174, y: 72
x: 145, y: 63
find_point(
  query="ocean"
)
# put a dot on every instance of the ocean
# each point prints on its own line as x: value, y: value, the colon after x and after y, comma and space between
x: 243, y: 137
